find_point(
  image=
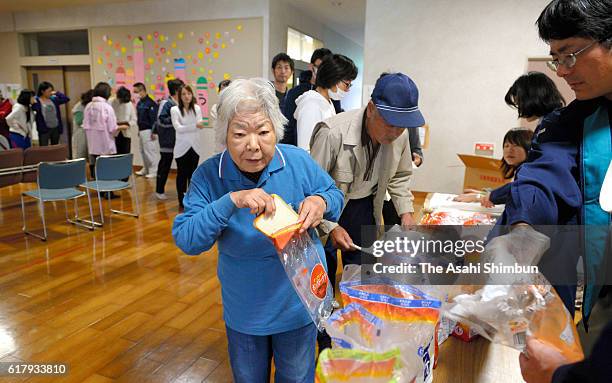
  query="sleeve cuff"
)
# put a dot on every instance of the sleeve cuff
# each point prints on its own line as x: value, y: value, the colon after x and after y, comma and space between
x: 224, y: 206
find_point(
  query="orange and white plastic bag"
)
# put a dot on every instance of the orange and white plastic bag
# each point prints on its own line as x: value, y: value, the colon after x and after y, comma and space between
x: 300, y: 259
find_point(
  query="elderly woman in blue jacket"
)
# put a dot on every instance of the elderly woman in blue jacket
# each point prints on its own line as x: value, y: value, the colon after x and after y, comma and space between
x: 48, y: 115
x: 263, y: 314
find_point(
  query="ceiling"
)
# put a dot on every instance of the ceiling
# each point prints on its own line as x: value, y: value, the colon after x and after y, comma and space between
x: 36, y: 5
x: 346, y: 17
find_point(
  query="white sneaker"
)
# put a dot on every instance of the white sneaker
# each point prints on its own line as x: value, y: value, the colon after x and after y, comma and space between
x: 141, y: 172
x: 151, y: 175
x: 161, y: 196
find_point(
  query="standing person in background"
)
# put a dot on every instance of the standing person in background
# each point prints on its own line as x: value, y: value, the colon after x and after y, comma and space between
x: 146, y: 111
x: 307, y: 82
x: 126, y: 120
x: 334, y: 79
x: 534, y: 95
x: 20, y: 120
x: 5, y: 109
x: 219, y: 147
x: 48, y: 115
x: 164, y: 130
x: 100, y: 125
x: 282, y: 69
x: 79, y: 139
x: 187, y: 121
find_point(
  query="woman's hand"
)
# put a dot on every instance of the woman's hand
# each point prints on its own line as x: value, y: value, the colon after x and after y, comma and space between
x: 255, y: 199
x: 485, y: 201
x: 201, y: 125
x: 468, y: 197
x: 311, y: 212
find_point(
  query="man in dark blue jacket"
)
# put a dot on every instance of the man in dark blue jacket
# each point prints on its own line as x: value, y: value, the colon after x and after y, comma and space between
x: 146, y: 109
x: 562, y: 179
x: 307, y: 80
x: 164, y: 130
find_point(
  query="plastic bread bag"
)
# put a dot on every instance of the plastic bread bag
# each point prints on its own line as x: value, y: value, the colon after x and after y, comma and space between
x: 353, y: 327
x: 344, y: 365
x: 300, y: 259
x: 507, y: 314
x: 409, y: 317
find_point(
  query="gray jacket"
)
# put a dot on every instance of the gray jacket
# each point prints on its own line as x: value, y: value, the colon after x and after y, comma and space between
x: 336, y: 146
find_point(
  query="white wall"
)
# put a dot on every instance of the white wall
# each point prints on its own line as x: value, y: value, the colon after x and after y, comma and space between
x: 463, y: 55
x: 283, y: 15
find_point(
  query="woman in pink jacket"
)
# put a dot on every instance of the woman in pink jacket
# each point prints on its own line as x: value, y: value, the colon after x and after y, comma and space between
x: 100, y: 125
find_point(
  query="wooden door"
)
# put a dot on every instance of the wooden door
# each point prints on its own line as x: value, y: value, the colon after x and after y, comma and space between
x: 77, y: 80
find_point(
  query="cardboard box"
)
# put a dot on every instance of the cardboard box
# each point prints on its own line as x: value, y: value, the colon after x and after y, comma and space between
x: 482, y: 172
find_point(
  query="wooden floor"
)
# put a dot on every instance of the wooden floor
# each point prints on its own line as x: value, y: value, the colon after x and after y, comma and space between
x: 120, y: 303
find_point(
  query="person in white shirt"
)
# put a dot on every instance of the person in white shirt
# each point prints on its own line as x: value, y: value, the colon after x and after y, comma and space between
x: 187, y: 121
x: 333, y: 82
x: 79, y: 139
x: 127, y: 122
x: 20, y: 120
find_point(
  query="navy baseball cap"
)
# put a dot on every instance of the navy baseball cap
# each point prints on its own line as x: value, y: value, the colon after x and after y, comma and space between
x: 397, y: 99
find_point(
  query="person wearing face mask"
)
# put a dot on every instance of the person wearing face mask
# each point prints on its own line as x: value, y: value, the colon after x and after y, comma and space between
x: 333, y: 82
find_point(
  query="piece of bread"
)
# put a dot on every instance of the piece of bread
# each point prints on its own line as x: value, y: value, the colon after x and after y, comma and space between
x: 284, y: 217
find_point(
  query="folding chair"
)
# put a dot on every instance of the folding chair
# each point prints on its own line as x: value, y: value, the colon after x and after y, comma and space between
x: 110, y: 172
x: 58, y: 181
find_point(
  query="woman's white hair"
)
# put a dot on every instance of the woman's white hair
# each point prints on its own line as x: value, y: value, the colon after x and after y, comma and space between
x: 248, y: 96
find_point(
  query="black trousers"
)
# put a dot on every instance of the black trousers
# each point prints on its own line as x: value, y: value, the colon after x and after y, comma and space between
x: 357, y: 214
x: 390, y: 215
x: 185, y: 166
x: 163, y: 168
x: 123, y: 144
x: 53, y: 135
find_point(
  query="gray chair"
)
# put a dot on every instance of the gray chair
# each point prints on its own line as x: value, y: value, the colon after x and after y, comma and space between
x: 58, y: 181
x: 110, y: 172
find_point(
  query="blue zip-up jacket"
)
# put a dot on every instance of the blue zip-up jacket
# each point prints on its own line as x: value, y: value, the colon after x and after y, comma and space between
x: 164, y: 128
x: 58, y: 99
x: 550, y: 189
x: 258, y: 298
x: 146, y: 110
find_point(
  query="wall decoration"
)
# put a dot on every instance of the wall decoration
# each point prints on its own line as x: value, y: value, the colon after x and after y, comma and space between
x: 154, y: 53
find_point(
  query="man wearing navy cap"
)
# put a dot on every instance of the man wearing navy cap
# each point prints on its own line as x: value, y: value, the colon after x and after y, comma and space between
x: 367, y: 151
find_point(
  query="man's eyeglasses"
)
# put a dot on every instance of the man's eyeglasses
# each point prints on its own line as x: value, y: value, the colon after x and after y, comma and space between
x: 569, y: 61
x: 347, y: 84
